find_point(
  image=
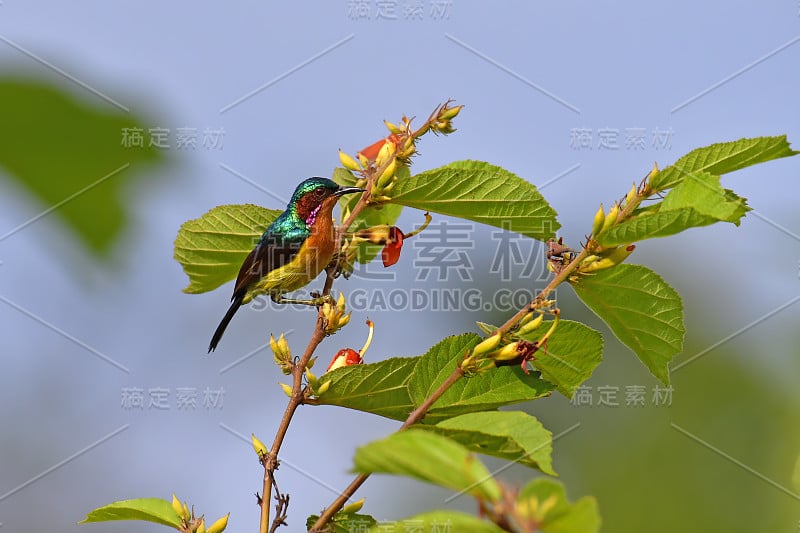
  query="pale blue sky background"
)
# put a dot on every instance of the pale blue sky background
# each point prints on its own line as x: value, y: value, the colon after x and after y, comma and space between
x: 531, y: 74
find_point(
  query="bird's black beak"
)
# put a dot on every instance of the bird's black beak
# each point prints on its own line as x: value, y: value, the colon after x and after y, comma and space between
x: 348, y: 190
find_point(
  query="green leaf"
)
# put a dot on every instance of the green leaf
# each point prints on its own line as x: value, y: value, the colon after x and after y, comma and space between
x: 697, y: 200
x: 544, y: 503
x: 211, y: 248
x: 441, y: 521
x: 649, y: 226
x: 395, y: 387
x: 380, y: 388
x: 722, y: 158
x: 483, y: 392
x: 483, y: 193
x: 703, y: 192
x: 642, y: 310
x: 147, y: 509
x: 572, y: 353
x: 372, y: 215
x: 511, y: 435
x: 346, y: 522
x: 66, y: 151
x: 428, y: 457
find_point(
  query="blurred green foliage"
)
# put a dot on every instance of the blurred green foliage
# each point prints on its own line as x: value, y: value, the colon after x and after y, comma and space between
x: 68, y: 154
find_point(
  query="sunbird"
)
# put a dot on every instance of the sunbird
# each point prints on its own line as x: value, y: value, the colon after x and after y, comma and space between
x: 292, y: 251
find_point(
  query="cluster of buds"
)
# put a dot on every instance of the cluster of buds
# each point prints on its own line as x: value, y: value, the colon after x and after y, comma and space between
x: 334, y: 315
x: 313, y: 388
x: 508, y: 349
x: 444, y: 119
x: 281, y: 353
x: 348, y: 356
x: 190, y: 524
x: 606, y: 259
x: 381, y: 161
x: 604, y: 221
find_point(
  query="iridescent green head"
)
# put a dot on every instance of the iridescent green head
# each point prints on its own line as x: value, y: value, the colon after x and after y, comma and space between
x: 309, y: 196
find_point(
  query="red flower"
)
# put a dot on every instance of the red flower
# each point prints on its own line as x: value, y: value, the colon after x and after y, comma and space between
x: 391, y: 252
x: 345, y: 357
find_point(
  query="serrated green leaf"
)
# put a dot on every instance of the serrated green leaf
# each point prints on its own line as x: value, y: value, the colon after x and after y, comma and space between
x: 441, y: 521
x: 67, y: 152
x: 483, y: 392
x: 395, y: 387
x: 512, y: 435
x: 147, y: 509
x: 642, y: 310
x: 697, y: 200
x: 211, y: 248
x: 428, y: 457
x: 721, y: 158
x: 652, y: 225
x: 572, y: 353
x: 346, y: 522
x: 481, y: 192
x: 372, y: 215
x: 544, y: 502
x: 704, y: 193
x: 380, y: 388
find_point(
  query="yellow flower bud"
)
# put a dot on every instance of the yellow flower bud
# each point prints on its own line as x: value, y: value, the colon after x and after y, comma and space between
x: 202, y: 527
x: 653, y: 172
x: 631, y: 195
x: 287, y: 390
x: 386, y: 151
x: 449, y: 113
x: 599, y: 218
x: 507, y: 352
x: 322, y: 388
x: 312, y: 379
x: 348, y: 162
x: 609, y: 258
x: 186, y: 514
x: 258, y: 446
x: 611, y: 218
x: 363, y: 159
x: 220, y: 525
x: 335, y: 318
x: 354, y: 507
x: 177, y: 507
x: 532, y: 325
x: 486, y: 345
x: 393, y: 128
x: 387, y: 174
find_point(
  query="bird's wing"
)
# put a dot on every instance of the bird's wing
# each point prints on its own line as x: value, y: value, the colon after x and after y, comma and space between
x: 273, y: 251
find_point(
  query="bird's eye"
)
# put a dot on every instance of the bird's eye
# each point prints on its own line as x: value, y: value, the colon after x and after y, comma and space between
x: 319, y: 192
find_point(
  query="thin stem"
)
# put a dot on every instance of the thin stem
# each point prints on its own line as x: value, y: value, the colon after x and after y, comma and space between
x: 271, y: 461
x: 415, y: 416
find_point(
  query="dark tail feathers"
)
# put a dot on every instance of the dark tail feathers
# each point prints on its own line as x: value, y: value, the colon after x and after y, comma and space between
x: 235, y: 305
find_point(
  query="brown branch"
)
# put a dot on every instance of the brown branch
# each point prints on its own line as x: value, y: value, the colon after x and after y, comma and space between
x: 415, y: 416
x: 271, y: 461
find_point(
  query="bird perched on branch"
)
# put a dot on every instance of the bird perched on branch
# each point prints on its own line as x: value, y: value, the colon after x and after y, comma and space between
x: 292, y: 251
